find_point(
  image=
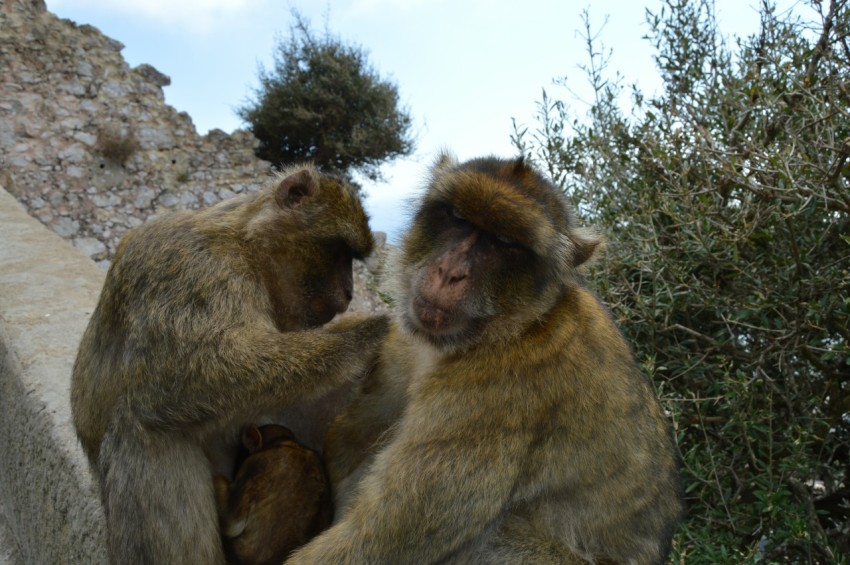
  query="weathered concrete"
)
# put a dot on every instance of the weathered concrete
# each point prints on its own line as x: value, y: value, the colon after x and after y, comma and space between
x: 8, y: 549
x: 48, y: 289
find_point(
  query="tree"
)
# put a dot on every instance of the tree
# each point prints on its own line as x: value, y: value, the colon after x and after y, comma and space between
x: 324, y: 103
x: 727, y: 200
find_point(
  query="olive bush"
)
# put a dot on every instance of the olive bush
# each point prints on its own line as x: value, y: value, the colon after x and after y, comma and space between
x: 726, y: 202
x: 323, y: 102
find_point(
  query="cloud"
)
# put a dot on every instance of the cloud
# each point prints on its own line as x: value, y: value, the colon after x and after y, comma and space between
x: 195, y: 16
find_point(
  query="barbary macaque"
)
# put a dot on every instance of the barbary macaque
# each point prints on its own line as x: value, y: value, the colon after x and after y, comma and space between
x: 506, y: 420
x: 279, y: 499
x: 209, y: 320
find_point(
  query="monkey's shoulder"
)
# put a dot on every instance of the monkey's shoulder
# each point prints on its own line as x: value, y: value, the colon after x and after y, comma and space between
x: 176, y: 250
x: 581, y: 320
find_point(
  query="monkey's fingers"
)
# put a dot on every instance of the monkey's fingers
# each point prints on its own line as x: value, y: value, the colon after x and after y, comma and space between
x: 370, y: 325
x: 234, y: 527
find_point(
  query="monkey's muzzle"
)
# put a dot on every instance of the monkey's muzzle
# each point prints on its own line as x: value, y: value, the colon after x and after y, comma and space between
x: 432, y: 318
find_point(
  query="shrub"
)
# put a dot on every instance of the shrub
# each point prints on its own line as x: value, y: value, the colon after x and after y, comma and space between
x: 116, y: 144
x: 727, y: 202
x: 323, y: 102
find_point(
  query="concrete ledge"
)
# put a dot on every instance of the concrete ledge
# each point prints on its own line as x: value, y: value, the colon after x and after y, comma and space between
x: 48, y: 500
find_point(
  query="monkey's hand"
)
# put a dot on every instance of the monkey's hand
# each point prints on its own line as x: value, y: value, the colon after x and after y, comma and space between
x: 366, y: 332
x: 372, y: 327
x: 361, y: 337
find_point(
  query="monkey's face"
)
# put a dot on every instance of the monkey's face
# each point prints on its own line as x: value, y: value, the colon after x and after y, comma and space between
x: 336, y: 231
x: 329, y: 285
x: 460, y: 278
x: 311, y: 228
x: 490, y: 249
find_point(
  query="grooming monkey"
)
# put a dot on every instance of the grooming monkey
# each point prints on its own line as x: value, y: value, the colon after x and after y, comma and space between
x: 208, y: 320
x: 279, y: 499
x: 506, y: 420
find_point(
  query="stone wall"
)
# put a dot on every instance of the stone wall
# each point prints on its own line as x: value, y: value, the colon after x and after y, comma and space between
x: 88, y: 144
x: 90, y: 148
x: 49, y: 509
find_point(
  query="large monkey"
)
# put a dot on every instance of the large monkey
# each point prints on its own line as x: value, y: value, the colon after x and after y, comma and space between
x: 208, y: 320
x: 506, y: 420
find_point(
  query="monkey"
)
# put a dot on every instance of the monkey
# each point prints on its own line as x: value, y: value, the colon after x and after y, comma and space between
x: 279, y: 499
x: 208, y: 320
x: 506, y: 419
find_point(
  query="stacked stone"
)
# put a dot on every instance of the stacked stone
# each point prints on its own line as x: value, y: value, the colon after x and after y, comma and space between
x: 88, y: 144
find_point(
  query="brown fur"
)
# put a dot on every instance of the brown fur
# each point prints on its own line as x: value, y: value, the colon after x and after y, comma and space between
x: 506, y: 420
x: 279, y: 499
x: 208, y: 320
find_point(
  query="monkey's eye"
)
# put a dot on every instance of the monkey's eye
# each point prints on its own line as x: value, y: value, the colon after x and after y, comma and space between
x: 457, y: 218
x: 506, y: 241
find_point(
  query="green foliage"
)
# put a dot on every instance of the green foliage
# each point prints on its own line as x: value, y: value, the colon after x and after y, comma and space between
x: 727, y: 199
x: 324, y: 103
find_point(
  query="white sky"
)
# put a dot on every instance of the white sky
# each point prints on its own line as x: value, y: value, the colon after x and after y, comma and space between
x: 464, y: 68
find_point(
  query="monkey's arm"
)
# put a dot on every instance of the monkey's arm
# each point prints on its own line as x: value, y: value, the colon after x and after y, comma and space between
x: 259, y: 368
x: 442, y: 481
x: 362, y: 428
x: 357, y: 435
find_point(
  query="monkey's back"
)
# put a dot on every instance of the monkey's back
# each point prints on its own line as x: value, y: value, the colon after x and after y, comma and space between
x: 151, y: 316
x: 612, y: 423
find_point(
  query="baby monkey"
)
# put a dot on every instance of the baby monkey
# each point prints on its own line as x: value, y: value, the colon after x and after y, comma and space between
x: 279, y: 499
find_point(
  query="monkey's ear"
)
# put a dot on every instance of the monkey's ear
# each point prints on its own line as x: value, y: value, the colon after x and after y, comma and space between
x: 445, y: 161
x: 584, y: 247
x: 520, y: 167
x: 294, y: 188
x: 252, y: 439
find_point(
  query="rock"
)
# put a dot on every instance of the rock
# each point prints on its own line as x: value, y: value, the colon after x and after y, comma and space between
x: 92, y: 247
x: 61, y: 86
x: 144, y: 198
x: 66, y: 227
x: 153, y: 75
